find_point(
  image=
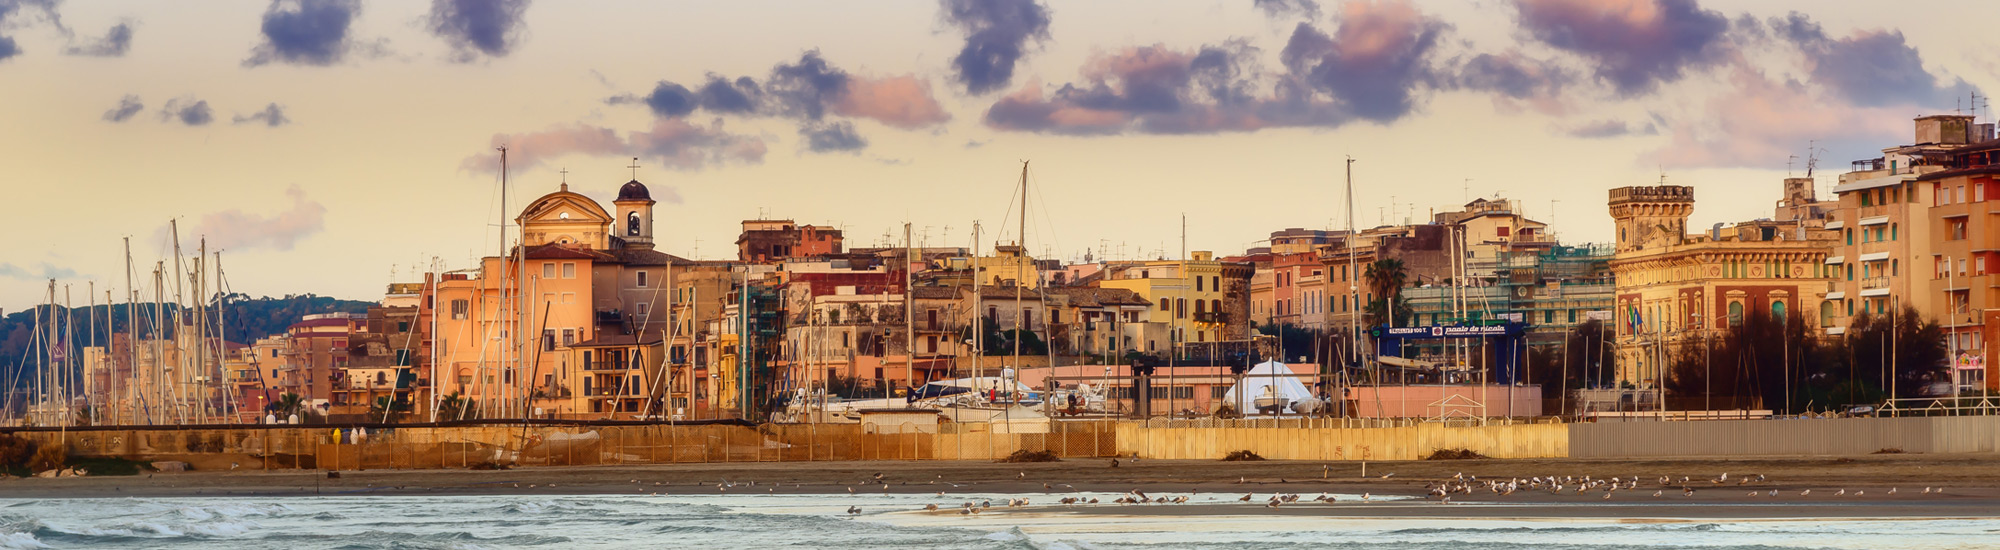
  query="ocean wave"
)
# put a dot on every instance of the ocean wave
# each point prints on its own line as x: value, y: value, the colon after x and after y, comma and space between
x: 1015, y: 534
x: 1662, y: 527
x: 20, y: 541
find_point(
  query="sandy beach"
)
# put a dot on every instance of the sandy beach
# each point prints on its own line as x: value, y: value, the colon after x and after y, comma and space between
x: 1970, y: 485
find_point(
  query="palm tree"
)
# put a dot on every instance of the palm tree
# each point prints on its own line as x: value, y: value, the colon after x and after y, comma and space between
x: 451, y: 407
x: 1386, y: 278
x: 288, y: 404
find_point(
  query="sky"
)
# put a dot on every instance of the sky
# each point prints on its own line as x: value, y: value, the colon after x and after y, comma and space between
x: 335, y: 146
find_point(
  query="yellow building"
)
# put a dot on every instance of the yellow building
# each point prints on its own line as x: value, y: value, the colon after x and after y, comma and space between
x: 1673, y: 288
x: 569, y: 324
x: 1201, y: 300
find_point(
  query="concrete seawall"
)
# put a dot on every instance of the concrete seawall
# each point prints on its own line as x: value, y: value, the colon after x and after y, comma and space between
x: 465, y: 446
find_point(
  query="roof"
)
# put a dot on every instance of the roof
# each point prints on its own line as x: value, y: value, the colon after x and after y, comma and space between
x: 1009, y: 292
x: 933, y: 292
x: 334, y: 322
x: 554, y: 251
x: 615, y: 340
x: 641, y: 257
x: 634, y: 191
x: 1872, y: 183
x: 1100, y: 297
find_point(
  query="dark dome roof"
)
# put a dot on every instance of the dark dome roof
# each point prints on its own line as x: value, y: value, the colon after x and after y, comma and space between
x: 634, y: 191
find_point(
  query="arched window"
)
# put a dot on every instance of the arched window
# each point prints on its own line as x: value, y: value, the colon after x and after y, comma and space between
x: 1826, y: 314
x: 1778, y: 311
x: 1735, y: 313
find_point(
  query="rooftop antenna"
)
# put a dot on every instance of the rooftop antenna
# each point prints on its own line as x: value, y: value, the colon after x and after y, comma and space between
x: 1465, y: 190
x: 1812, y: 156
x: 1789, y: 159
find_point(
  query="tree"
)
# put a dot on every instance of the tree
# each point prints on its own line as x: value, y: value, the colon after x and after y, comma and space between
x: 1758, y: 359
x: 1904, y: 341
x: 452, y: 407
x: 287, y: 405
x: 1386, y: 278
x: 387, y: 410
x: 1585, y: 358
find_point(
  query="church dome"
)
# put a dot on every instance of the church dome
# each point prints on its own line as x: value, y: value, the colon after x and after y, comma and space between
x: 634, y: 191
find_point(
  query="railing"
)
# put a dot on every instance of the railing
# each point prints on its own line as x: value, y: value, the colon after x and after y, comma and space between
x: 608, y: 365
x: 1875, y: 282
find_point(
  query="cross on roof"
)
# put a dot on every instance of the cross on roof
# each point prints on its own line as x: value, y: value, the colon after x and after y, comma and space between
x: 635, y: 168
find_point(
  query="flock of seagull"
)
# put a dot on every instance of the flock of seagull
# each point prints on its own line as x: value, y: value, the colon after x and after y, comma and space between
x: 1442, y: 491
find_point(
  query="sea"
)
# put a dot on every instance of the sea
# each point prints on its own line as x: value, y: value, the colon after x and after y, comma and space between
x: 740, y: 521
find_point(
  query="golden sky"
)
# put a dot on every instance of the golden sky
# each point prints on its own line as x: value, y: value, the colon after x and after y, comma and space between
x: 333, y: 146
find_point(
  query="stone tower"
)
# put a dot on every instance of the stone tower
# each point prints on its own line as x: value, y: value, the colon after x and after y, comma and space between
x: 1651, y: 217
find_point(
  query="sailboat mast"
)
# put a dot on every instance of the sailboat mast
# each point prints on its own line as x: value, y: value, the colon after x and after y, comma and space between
x: 1354, y: 284
x: 978, y: 318
x: 500, y: 363
x: 1021, y: 276
x: 131, y: 336
x: 910, y: 257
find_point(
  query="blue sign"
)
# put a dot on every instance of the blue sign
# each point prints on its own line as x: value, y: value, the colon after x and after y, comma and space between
x: 1439, y: 331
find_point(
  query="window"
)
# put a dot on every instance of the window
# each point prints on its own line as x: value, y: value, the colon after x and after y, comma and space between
x: 548, y: 339
x: 569, y: 270
x: 548, y: 270
x: 402, y: 358
x: 1735, y: 313
x: 930, y: 344
x: 569, y: 336
x: 931, y: 318
x: 642, y: 279
x: 1502, y: 231
x: 569, y: 297
x: 1164, y: 305
x: 458, y: 308
x: 1197, y: 284
x: 1215, y: 283
x: 1028, y: 319
x: 643, y: 308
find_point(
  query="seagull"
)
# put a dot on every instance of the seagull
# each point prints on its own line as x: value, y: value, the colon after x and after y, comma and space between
x: 1607, y: 495
x: 932, y: 507
x: 1659, y: 492
x: 854, y: 510
x: 1841, y: 493
x: 1246, y: 498
x: 1892, y: 490
x: 1805, y: 492
x: 1774, y: 492
x: 1386, y: 476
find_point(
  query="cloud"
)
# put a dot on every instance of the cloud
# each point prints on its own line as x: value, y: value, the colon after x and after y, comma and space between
x: 236, y: 230
x: 1285, y: 9
x: 1370, y: 68
x: 115, y: 43
x: 1373, y: 62
x: 272, y: 116
x: 478, y: 27
x: 1871, y: 68
x: 810, y: 91
x: 305, y: 32
x: 1609, y: 128
x: 826, y: 137
x: 11, y: 11
x: 1759, y: 122
x: 43, y: 272
x: 671, y: 141
x: 740, y: 96
x: 997, y: 33
x: 189, y: 111
x: 1516, y: 79
x: 671, y: 100
x: 807, y: 88
x: 128, y: 107
x: 1635, y: 45
x: 902, y: 102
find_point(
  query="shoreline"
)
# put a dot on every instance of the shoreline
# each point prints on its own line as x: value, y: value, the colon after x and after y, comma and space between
x: 1970, y: 486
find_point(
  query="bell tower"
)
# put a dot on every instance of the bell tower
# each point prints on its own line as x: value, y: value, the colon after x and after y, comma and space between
x: 635, y: 215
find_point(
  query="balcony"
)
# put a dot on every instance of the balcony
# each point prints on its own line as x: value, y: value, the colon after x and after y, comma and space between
x: 609, y: 366
x: 1875, y: 282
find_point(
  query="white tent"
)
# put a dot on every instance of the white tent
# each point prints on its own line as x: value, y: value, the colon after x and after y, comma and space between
x: 1280, y: 380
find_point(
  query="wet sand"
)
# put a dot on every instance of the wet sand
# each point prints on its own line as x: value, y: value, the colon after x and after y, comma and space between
x: 1970, y: 484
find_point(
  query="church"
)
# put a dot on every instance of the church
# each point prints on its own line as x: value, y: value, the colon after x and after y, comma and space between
x: 577, y: 319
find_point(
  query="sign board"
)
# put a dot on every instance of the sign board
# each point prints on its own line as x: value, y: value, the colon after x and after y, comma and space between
x: 1600, y: 315
x: 1449, y: 332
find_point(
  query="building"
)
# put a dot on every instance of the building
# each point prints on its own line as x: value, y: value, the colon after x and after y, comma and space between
x: 765, y: 241
x: 1882, y: 215
x: 1674, y: 288
x: 1964, y: 257
x: 1204, y: 302
x: 522, y: 334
